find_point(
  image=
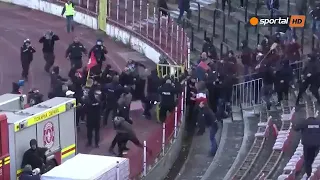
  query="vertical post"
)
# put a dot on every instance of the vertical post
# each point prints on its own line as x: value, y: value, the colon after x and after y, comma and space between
x: 144, y: 158
x: 307, y: 112
x: 87, y: 4
x: 175, y: 122
x: 188, y: 60
x: 177, y: 43
x: 182, y: 105
x: 154, y: 24
x: 97, y: 6
x: 167, y: 33
x: 125, y: 11
x: 140, y: 16
x: 79, y: 2
x: 160, y: 32
x: 133, y: 4
x: 147, y: 19
x: 163, y: 137
x: 181, y: 45
x: 118, y: 171
x: 171, y: 50
x: 314, y: 108
x: 109, y: 9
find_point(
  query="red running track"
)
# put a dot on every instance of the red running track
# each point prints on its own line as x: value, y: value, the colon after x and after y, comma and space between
x: 18, y: 23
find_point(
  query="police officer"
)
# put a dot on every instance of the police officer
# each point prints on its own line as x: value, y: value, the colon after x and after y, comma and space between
x: 153, y: 82
x: 48, y: 41
x: 112, y: 91
x: 167, y: 99
x: 93, y: 109
x: 310, y: 132
x: 99, y: 51
x: 310, y: 76
x: 68, y: 10
x: 74, y: 53
x: 26, y: 57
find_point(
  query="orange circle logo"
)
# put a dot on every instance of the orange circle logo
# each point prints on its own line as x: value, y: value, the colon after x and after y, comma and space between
x: 254, y: 21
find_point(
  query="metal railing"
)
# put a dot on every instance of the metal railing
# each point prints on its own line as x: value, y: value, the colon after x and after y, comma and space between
x: 199, y: 13
x: 247, y: 94
x: 215, y: 16
x: 239, y: 34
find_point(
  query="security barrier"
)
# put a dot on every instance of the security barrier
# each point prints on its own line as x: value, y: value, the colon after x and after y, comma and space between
x: 247, y: 94
x: 164, y: 70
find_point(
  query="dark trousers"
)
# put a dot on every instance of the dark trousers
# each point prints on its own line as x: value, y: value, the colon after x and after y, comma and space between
x: 96, y: 130
x: 149, y: 102
x: 190, y: 119
x: 313, y: 88
x: 80, y: 115
x: 110, y: 108
x: 282, y: 89
x: 163, y: 112
x: 70, y: 24
x: 25, y: 69
x: 49, y: 58
x: 121, y: 139
x: 241, y: 3
x: 309, y: 154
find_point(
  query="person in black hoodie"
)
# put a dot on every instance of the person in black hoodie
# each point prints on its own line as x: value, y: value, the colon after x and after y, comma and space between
x: 48, y: 41
x: 26, y: 57
x: 93, y: 109
x: 246, y: 58
x: 56, y: 83
x: 311, y: 74
x: 209, y: 48
x: 268, y: 80
x: 35, y: 156
x: 153, y: 83
x: 282, y: 82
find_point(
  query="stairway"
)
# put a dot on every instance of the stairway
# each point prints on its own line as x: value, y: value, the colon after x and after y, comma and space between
x: 214, y: 22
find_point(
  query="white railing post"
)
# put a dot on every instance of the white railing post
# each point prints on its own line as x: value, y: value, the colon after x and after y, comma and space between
x: 79, y: 1
x: 125, y: 12
x: 188, y: 60
x: 182, y: 106
x: 171, y: 48
x: 314, y: 108
x: 97, y: 7
x: 154, y: 24
x: 140, y: 16
x: 87, y: 4
x: 118, y: 171
x: 307, y: 112
x: 167, y: 32
x: 160, y: 31
x: 177, y: 42
x: 144, y: 158
x: 109, y: 8
x: 133, y: 11
x: 175, y: 122
x: 147, y: 19
x: 118, y: 7
x: 163, y: 138
x: 182, y: 44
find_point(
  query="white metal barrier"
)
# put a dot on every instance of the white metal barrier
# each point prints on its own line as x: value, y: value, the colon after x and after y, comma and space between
x: 247, y: 94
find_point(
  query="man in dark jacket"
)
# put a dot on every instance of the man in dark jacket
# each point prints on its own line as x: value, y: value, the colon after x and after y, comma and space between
x: 28, y: 174
x: 74, y: 53
x: 26, y: 57
x: 112, y: 91
x: 311, y: 74
x: 56, y: 83
x: 209, y: 48
x: 153, y: 83
x: 35, y: 156
x: 167, y: 99
x: 282, y: 81
x: 246, y: 58
x: 310, y: 131
x: 93, y: 109
x: 48, y: 41
x: 100, y: 52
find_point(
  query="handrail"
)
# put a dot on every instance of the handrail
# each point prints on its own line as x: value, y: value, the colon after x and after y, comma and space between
x: 238, y: 33
x: 199, y: 13
x: 223, y: 23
